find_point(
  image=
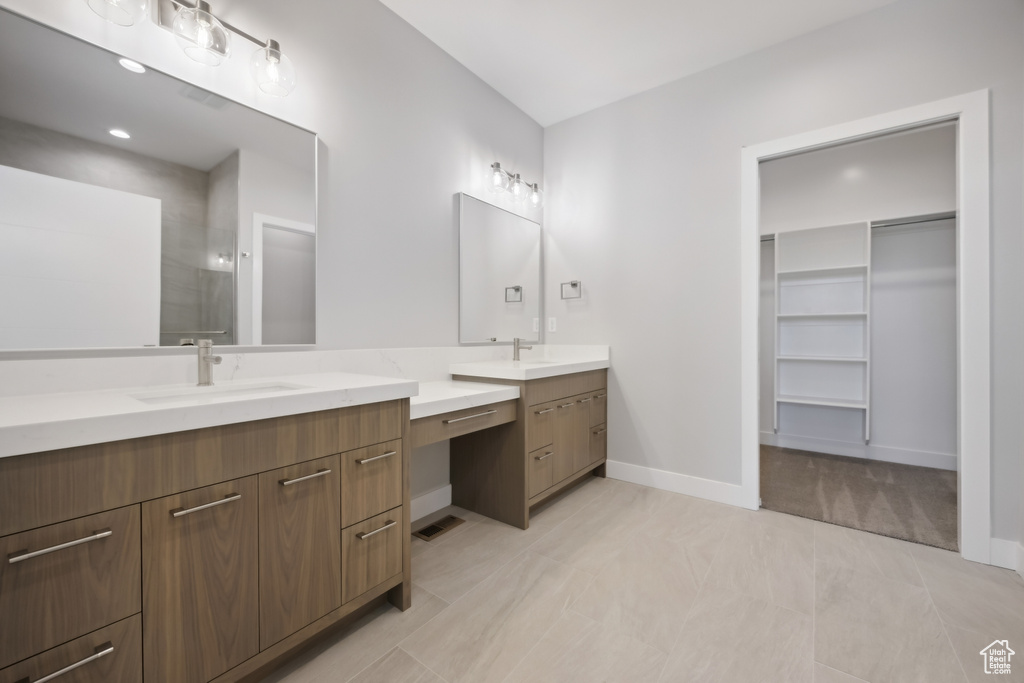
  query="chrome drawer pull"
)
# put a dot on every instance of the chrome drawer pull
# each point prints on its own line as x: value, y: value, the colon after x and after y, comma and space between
x: 566, y: 405
x: 600, y: 431
x: 545, y: 456
x: 584, y: 400
x: 26, y: 555
x: 230, y: 498
x: 470, y: 417
x: 376, y: 457
x: 377, y: 531
x: 547, y: 410
x: 600, y: 395
x: 101, y: 651
x: 289, y: 482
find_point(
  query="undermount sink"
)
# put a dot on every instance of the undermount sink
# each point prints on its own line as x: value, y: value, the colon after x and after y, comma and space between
x: 225, y: 392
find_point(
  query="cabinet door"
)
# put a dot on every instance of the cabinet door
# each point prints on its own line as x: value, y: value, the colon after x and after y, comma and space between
x: 62, y: 581
x: 110, y: 654
x: 565, y: 439
x: 581, y: 425
x: 599, y: 407
x: 598, y: 443
x: 300, y: 550
x: 200, y: 599
x: 541, y: 472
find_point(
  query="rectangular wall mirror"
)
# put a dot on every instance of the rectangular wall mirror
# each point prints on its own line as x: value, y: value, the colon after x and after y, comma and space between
x: 139, y: 210
x: 499, y: 274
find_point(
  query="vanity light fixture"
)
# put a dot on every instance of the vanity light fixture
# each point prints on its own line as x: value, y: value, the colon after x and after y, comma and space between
x: 500, y: 180
x: 120, y: 12
x: 207, y: 39
x: 118, y: 133
x: 131, y: 65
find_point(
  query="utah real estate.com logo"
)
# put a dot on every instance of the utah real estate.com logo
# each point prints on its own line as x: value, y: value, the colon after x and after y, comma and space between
x: 997, y: 657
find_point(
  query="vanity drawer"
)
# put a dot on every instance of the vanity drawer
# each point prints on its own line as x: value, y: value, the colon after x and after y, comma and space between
x: 541, y: 466
x: 540, y: 427
x: 427, y: 430
x: 371, y: 481
x: 598, y: 443
x: 599, y: 407
x: 371, y: 553
x: 110, y: 654
x: 61, y: 581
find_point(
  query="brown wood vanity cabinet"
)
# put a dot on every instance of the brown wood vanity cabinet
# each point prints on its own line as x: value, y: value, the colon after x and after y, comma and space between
x: 559, y: 438
x: 201, y: 556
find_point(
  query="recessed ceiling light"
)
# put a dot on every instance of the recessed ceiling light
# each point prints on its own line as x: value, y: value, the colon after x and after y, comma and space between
x: 118, y: 133
x: 131, y: 65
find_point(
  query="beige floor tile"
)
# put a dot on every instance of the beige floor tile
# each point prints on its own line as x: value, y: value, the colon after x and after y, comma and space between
x: 419, y: 545
x: 592, y: 536
x: 969, y: 644
x: 972, y: 596
x: 824, y: 674
x: 767, y: 559
x: 397, y: 666
x: 646, y: 591
x: 867, y: 553
x: 579, y: 649
x: 484, y: 635
x: 879, y: 630
x: 352, y: 650
x: 699, y: 525
x: 734, y: 638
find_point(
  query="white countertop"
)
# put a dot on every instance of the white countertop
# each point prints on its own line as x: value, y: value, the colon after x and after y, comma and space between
x: 43, y: 422
x: 445, y: 396
x: 552, y: 362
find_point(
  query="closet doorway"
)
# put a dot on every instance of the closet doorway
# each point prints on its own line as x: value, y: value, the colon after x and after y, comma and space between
x: 898, y: 261
x: 858, y: 415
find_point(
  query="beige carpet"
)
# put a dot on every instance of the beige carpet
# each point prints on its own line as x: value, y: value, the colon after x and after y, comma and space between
x: 916, y: 504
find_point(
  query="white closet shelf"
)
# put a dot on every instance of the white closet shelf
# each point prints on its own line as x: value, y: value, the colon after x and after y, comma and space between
x: 827, y: 359
x: 818, y: 401
x: 831, y: 270
x: 795, y: 316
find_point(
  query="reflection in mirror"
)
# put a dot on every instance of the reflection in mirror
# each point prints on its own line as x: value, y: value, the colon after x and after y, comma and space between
x: 139, y: 210
x: 499, y: 274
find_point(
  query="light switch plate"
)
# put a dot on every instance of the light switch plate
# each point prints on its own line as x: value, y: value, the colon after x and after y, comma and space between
x: 536, y: 324
x: 552, y: 324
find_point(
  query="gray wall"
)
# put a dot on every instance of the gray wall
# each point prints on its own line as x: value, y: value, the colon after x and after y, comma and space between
x: 644, y: 208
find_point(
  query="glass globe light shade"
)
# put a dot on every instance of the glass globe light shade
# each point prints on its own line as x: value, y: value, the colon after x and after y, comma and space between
x: 497, y: 179
x: 272, y: 70
x: 201, y: 35
x: 519, y: 189
x: 120, y: 12
x: 536, y: 197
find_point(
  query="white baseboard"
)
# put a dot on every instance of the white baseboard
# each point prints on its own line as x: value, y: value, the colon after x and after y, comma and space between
x: 902, y: 456
x: 431, y: 502
x: 1005, y: 554
x: 720, y: 492
x: 1020, y: 559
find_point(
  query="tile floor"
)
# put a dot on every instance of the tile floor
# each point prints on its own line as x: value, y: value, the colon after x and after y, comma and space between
x: 617, y: 582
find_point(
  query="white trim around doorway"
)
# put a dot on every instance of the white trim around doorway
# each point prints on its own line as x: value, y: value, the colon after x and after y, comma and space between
x: 971, y: 111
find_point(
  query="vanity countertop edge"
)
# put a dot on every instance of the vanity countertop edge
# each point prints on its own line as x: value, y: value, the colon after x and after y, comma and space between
x: 44, y: 422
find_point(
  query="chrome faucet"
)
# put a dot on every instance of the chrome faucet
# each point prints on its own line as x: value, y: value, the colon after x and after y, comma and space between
x: 517, y: 346
x: 206, y: 362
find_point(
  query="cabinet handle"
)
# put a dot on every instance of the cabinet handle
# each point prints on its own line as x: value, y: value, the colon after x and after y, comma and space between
x: 470, y: 417
x: 289, y: 482
x: 376, y: 531
x: 26, y: 555
x: 546, y: 410
x: 376, y: 457
x: 601, y: 395
x: 101, y: 651
x: 545, y: 456
x: 600, y: 431
x: 230, y: 498
x: 566, y: 405
x: 584, y: 400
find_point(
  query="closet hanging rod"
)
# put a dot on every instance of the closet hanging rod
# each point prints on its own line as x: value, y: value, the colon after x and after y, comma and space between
x: 895, y: 222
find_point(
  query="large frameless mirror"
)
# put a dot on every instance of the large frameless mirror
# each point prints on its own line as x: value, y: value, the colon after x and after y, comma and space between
x: 499, y: 274
x: 139, y: 210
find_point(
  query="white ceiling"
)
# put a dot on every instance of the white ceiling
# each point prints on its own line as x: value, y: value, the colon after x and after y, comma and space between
x: 555, y: 59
